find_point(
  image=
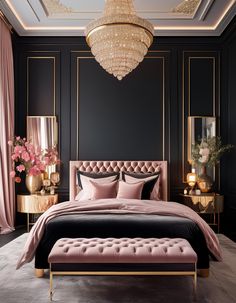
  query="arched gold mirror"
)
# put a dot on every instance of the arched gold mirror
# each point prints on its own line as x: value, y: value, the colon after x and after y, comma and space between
x: 42, y: 131
x: 199, y: 128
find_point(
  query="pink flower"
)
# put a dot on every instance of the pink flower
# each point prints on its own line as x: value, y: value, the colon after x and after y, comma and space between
x: 33, y: 160
x: 34, y: 171
x: 12, y: 174
x: 41, y: 167
x: 204, y: 152
x: 17, y: 179
x: 46, y: 160
x: 19, y: 149
x: 20, y: 168
x: 10, y: 143
x: 30, y: 148
x: 32, y: 157
x: 38, y: 151
x: 25, y: 156
x: 15, y: 156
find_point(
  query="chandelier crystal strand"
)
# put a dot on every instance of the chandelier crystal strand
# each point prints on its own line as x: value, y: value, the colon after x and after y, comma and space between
x: 120, y: 39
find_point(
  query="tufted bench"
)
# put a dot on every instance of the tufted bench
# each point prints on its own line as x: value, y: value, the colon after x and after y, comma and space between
x: 123, y: 256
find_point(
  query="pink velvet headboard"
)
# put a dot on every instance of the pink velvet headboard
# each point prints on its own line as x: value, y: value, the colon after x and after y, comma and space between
x: 117, y: 166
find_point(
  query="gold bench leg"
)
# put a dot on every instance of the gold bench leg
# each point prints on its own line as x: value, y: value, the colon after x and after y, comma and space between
x: 50, y: 287
x: 195, y: 286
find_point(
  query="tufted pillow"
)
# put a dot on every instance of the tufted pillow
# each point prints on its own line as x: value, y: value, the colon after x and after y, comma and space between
x: 104, y: 191
x: 86, y: 192
x: 130, y: 190
x: 151, y: 187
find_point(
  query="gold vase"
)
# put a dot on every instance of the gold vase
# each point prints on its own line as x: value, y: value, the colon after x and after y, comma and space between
x: 33, y: 183
x: 204, y: 181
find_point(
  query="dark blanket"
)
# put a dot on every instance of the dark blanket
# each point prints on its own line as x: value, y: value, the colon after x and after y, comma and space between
x: 121, y: 225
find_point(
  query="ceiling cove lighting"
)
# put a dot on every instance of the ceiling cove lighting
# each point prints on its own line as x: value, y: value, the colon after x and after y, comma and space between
x: 120, y: 39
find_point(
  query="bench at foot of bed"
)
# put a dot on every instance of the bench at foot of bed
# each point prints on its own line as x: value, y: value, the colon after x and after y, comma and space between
x: 123, y: 256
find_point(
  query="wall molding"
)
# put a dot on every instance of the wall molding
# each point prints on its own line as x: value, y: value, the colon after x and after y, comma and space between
x: 187, y: 59
x: 160, y: 55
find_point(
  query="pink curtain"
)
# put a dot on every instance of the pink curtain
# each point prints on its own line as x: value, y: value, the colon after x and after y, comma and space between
x: 7, y: 192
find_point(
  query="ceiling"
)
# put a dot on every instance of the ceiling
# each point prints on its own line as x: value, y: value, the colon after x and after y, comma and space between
x: 69, y: 17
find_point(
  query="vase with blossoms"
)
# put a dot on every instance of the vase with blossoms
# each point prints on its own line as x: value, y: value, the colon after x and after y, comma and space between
x: 31, y: 161
x: 33, y: 183
x: 204, y: 181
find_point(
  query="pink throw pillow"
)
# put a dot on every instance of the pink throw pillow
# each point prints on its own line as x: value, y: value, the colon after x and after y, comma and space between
x: 130, y: 190
x: 103, y: 191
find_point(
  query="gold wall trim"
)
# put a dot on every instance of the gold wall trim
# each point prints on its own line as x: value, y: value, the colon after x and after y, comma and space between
x: 54, y: 79
x: 163, y: 96
x: 214, y: 103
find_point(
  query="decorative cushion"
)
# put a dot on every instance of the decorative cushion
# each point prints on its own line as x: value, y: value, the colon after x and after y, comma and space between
x: 103, y: 191
x: 93, y: 175
x: 86, y: 192
x: 130, y: 190
x: 149, y: 179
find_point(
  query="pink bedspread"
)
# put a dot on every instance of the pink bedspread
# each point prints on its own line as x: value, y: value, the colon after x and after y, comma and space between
x: 116, y: 206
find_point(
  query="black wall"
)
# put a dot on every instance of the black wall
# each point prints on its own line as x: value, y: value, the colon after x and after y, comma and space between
x: 144, y: 116
x: 228, y: 125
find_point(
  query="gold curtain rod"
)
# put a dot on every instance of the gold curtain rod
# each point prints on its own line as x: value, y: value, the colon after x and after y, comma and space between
x: 4, y: 19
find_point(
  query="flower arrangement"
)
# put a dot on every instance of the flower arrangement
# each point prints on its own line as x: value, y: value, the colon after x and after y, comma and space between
x: 29, y: 159
x: 209, y: 151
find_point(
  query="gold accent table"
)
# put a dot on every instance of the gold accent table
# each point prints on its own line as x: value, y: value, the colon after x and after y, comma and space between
x: 35, y: 204
x: 206, y: 203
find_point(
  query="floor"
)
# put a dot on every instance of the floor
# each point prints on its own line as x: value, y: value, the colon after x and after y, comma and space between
x: 4, y: 239
x: 21, y: 286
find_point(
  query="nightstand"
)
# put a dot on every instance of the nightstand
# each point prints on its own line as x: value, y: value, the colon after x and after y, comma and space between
x: 206, y: 203
x: 35, y: 204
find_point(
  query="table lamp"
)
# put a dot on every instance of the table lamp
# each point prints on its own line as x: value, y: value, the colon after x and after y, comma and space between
x: 192, y: 178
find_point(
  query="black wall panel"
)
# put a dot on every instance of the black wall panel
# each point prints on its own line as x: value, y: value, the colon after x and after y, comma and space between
x: 41, y: 86
x: 119, y: 117
x: 202, y: 83
x: 141, y: 117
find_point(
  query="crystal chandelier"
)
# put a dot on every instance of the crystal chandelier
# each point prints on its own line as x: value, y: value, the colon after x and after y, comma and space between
x: 120, y: 39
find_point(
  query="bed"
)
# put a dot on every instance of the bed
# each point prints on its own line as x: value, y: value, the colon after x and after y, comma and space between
x: 117, y: 225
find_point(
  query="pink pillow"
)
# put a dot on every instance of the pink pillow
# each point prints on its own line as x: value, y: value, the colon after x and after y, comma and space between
x: 130, y: 190
x: 103, y: 191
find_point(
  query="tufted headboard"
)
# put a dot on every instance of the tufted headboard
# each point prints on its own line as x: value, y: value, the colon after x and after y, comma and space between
x: 117, y: 166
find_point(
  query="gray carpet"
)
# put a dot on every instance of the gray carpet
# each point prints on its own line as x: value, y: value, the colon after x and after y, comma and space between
x: 22, y: 286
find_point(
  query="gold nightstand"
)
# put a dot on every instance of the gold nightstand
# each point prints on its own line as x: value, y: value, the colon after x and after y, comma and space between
x: 206, y: 203
x: 35, y: 204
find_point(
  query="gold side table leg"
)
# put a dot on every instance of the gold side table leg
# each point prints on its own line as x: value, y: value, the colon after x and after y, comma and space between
x: 218, y: 222
x: 28, y: 222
